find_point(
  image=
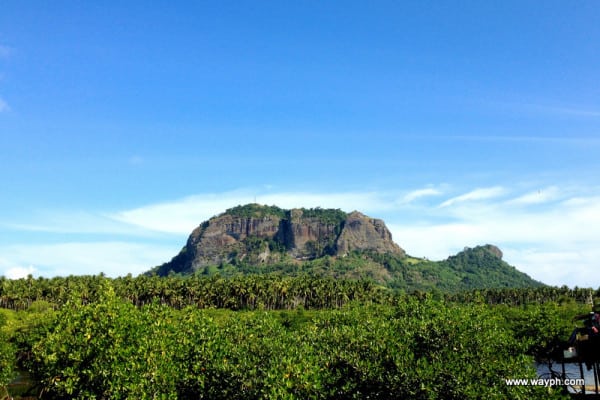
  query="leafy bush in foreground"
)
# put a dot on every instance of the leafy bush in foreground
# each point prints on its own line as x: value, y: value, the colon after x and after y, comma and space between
x: 418, y: 349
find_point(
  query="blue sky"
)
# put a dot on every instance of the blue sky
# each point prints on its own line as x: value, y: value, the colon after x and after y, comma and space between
x: 459, y: 123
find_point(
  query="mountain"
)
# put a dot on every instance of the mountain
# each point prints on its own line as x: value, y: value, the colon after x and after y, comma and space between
x: 329, y: 242
x: 479, y: 267
x: 255, y: 234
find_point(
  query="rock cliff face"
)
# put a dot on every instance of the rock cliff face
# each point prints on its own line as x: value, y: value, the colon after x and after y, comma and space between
x: 219, y: 239
x: 363, y: 233
x: 258, y: 234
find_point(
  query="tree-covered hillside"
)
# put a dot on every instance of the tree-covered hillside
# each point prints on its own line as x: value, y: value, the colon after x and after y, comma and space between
x: 475, y: 268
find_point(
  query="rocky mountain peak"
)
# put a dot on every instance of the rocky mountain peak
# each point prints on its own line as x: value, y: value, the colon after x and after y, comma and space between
x: 261, y: 234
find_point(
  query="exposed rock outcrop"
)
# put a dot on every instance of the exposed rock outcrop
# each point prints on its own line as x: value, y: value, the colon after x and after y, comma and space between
x: 216, y: 240
x: 364, y: 233
x: 261, y: 234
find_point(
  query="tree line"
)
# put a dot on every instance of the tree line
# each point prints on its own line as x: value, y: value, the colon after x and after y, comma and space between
x: 268, y: 292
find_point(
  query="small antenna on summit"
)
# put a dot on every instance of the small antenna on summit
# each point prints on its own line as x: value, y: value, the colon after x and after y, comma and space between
x: 255, y: 200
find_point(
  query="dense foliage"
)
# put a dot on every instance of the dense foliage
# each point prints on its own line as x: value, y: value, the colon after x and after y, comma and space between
x: 6, y: 355
x: 418, y: 349
x: 328, y: 216
x: 91, y: 337
x: 254, y: 210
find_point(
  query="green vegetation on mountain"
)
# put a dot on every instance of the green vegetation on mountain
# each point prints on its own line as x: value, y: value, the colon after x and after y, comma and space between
x: 254, y: 210
x: 327, y: 216
x: 475, y: 268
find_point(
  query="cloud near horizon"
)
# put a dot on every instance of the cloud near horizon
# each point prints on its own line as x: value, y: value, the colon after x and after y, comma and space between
x: 20, y: 272
x: 183, y: 215
x: 419, y: 193
x: 474, y: 195
x: 550, y: 233
x: 537, y: 197
x: 82, y: 258
x: 553, y: 237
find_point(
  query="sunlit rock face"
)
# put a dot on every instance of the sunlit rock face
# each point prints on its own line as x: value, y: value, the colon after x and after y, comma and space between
x: 267, y: 234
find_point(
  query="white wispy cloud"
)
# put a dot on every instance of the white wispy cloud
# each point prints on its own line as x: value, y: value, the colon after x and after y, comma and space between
x: 74, y: 222
x: 559, y: 265
x: 537, y: 197
x: 562, y: 110
x: 83, y: 258
x: 475, y: 195
x: 182, y: 215
x: 419, y: 193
